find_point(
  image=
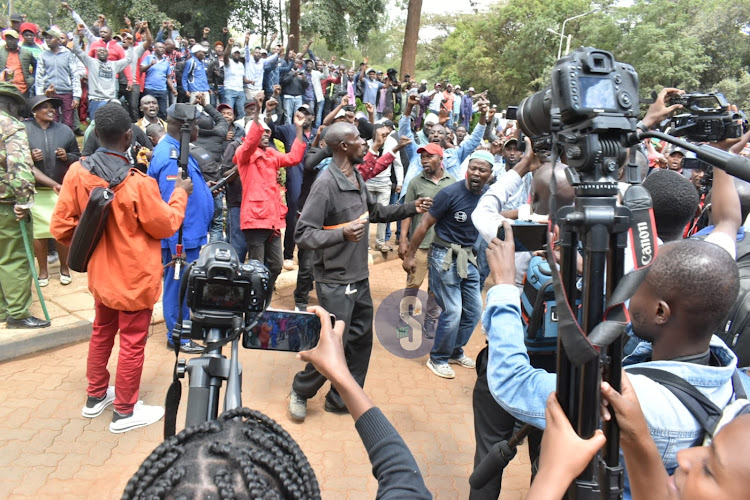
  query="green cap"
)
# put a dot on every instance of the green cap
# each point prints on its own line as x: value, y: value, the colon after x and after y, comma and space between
x: 483, y: 154
x: 10, y: 90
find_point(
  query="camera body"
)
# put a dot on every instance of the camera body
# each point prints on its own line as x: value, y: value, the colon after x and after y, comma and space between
x: 220, y: 288
x: 706, y: 118
x: 591, y: 107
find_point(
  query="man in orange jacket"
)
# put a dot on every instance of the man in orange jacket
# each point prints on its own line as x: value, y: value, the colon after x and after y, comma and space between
x: 125, y: 269
x: 262, y: 212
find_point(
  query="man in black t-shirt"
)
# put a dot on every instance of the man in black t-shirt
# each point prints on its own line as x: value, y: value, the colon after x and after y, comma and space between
x: 454, y: 278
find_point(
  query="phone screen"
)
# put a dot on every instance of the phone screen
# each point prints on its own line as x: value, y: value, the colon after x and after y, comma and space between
x: 527, y: 236
x: 279, y: 330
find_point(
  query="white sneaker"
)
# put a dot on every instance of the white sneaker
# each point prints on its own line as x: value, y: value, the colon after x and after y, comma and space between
x: 297, y: 407
x: 94, y: 407
x: 441, y: 370
x: 142, y: 416
x: 464, y: 361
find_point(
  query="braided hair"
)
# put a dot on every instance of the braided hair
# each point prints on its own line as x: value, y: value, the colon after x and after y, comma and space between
x: 243, y: 454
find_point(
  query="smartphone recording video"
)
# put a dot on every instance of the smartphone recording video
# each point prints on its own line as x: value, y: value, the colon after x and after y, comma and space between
x: 279, y: 330
x: 528, y: 236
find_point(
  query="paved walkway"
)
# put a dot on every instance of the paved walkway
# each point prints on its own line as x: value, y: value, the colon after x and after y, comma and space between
x: 47, y: 450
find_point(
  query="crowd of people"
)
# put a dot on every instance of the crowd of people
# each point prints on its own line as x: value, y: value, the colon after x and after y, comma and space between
x: 313, y: 152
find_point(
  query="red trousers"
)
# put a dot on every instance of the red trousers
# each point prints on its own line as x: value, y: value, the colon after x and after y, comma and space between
x: 133, y: 327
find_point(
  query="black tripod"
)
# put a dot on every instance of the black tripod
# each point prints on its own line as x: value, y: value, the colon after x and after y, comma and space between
x: 207, y: 373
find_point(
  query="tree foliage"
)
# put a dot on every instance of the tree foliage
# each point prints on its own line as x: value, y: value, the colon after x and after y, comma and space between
x: 341, y: 22
x: 690, y: 44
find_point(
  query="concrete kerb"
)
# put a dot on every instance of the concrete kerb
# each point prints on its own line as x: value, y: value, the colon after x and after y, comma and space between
x: 17, y: 343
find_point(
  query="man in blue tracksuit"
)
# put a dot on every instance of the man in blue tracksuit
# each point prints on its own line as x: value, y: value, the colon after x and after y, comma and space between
x: 200, y: 208
x: 195, y: 77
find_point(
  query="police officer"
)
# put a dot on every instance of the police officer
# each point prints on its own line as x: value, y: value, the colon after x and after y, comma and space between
x: 16, y: 197
x: 200, y: 208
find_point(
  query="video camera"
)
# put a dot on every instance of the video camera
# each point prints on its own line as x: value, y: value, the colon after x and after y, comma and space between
x: 706, y: 118
x: 219, y: 288
x: 701, y: 173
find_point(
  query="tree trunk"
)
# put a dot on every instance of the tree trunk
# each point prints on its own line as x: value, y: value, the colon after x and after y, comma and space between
x: 411, y: 37
x: 294, y: 8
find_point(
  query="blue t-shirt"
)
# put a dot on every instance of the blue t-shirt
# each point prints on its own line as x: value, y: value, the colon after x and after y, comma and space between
x: 370, y: 92
x: 452, y: 207
x: 156, y: 76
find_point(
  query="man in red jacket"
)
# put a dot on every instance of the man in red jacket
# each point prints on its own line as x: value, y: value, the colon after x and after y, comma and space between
x: 262, y: 212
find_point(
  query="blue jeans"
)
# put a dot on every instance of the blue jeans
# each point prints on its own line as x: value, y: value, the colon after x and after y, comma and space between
x: 236, y: 236
x: 236, y: 99
x: 161, y: 98
x: 291, y: 104
x: 394, y: 200
x: 93, y: 106
x: 319, y: 112
x: 171, y: 296
x: 216, y: 229
x: 461, y: 302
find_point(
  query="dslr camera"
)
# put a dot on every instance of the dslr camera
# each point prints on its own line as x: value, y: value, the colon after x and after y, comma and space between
x: 591, y: 105
x: 220, y: 288
x: 706, y: 118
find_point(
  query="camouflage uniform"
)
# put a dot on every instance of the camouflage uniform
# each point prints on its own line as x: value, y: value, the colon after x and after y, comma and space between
x: 16, y: 189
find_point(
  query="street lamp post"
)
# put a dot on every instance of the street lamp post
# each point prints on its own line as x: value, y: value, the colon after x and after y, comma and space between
x: 570, y: 35
x: 562, y: 35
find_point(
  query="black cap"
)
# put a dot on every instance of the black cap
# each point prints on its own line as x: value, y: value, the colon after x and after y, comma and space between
x: 305, y: 108
x: 36, y: 101
x: 16, y: 17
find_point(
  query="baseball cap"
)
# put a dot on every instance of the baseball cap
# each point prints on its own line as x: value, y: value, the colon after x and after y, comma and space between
x: 16, y: 17
x: 340, y: 114
x: 262, y: 124
x: 236, y: 49
x: 216, y: 44
x: 264, y: 51
x: 183, y: 112
x: 371, y: 70
x: 471, y: 89
x: 28, y: 27
x: 431, y: 119
x: 433, y: 148
x: 513, y: 140
x: 483, y: 154
x: 11, y: 33
x: 677, y: 149
x: 305, y: 108
x: 198, y: 48
x: 223, y: 105
x: 52, y: 31
x: 10, y: 90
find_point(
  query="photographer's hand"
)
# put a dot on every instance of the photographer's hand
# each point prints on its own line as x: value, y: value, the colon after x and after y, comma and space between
x: 648, y: 478
x: 501, y: 257
x: 659, y: 110
x: 564, y: 454
x: 328, y: 358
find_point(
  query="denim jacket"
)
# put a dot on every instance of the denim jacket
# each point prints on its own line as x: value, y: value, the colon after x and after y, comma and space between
x: 523, y: 390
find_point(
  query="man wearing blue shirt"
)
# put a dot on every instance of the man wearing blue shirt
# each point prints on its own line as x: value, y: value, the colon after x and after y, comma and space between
x: 371, y: 87
x: 195, y: 77
x: 453, y: 157
x: 200, y: 209
x: 453, y: 273
x: 158, y: 70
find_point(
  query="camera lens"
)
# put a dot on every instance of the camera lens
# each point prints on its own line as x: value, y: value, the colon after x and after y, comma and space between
x: 533, y: 113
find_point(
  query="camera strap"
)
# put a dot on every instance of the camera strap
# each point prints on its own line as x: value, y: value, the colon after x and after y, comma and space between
x: 579, y: 347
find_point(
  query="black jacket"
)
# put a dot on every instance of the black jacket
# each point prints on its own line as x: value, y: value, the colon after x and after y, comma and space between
x: 56, y: 136
x: 212, y: 131
x: 292, y: 85
x: 333, y: 203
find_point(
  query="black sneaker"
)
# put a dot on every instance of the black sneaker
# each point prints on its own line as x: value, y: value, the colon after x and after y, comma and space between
x: 188, y: 347
x: 332, y: 408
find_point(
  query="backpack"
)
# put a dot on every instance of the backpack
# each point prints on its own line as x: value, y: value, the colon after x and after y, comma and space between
x: 539, y: 308
x: 736, y: 327
x: 706, y: 412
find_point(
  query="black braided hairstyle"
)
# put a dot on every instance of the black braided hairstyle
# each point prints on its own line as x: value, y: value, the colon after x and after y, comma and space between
x: 243, y: 454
